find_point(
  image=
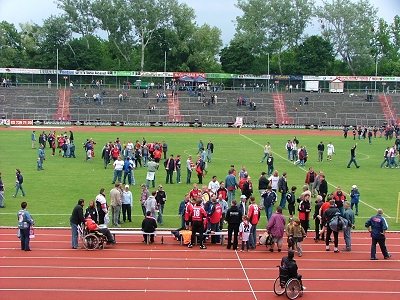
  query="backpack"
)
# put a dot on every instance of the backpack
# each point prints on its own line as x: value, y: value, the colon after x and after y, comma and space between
x: 338, y: 223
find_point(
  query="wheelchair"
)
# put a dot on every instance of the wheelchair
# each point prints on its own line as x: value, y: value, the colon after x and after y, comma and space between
x: 292, y: 287
x: 93, y: 240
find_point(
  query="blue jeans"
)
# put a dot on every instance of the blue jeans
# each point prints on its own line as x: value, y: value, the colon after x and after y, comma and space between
x: 18, y: 186
x: 74, y: 231
x: 268, y: 211
x: 1, y: 198
x: 347, y: 237
x: 283, y: 200
x: 253, y: 236
x: 188, y: 176
x: 231, y: 196
x: 178, y: 175
x: 117, y: 175
x: 352, y: 160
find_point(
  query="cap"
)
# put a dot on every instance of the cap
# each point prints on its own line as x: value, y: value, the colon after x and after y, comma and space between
x: 160, y: 186
x: 353, y: 186
x: 243, y: 197
x: 126, y: 185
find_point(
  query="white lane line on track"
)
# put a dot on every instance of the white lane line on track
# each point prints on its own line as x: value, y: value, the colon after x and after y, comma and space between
x: 332, y: 185
x: 195, y: 269
x: 245, y: 274
x: 380, y: 292
x: 188, y: 278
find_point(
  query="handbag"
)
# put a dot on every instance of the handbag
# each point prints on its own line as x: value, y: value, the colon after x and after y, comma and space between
x: 32, y: 233
x: 18, y: 233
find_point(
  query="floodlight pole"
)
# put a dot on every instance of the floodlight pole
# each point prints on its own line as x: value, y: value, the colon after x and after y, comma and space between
x: 165, y: 67
x: 268, y: 71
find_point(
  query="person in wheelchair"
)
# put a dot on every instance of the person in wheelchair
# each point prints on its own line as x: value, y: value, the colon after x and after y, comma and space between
x: 92, y: 227
x: 288, y: 269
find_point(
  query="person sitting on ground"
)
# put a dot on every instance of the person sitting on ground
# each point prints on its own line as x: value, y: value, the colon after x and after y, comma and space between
x: 92, y: 226
x: 289, y: 268
x: 149, y: 225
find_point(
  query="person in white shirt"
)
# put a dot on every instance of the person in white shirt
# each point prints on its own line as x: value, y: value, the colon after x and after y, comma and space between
x: 330, y: 151
x: 244, y: 232
x: 118, y: 167
x: 274, y: 180
x: 213, y: 186
x: 127, y: 202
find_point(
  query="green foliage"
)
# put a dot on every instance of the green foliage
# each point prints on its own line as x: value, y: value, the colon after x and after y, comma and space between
x: 315, y: 56
x: 52, y: 193
x: 237, y: 58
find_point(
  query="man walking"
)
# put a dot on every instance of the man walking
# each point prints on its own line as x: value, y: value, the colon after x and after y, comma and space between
x: 348, y: 214
x: 377, y: 226
x: 353, y: 156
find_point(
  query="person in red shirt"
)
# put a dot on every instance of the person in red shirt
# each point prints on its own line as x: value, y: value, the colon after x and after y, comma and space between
x: 197, y: 217
x: 322, y: 210
x: 115, y: 153
x: 195, y: 192
x: 215, y: 216
x: 188, y: 213
x: 253, y: 216
x: 222, y: 191
x: 92, y: 226
x: 157, y: 155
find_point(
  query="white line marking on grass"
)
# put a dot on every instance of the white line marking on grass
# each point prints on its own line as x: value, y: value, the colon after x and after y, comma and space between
x: 332, y: 185
x: 245, y: 274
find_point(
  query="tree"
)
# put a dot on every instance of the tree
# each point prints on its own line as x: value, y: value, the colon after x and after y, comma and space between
x: 10, y: 45
x: 315, y: 56
x: 272, y: 25
x: 79, y: 16
x: 348, y: 27
x: 55, y: 34
x: 236, y: 58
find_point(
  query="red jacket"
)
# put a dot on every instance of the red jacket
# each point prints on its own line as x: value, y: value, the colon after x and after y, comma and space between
x: 216, y: 213
x: 198, y: 214
x: 254, y: 214
x: 188, y: 211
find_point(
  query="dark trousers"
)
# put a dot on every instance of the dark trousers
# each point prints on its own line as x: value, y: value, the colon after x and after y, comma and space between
x: 328, y: 236
x: 197, y: 227
x: 215, y: 238
x: 233, y: 228
x: 200, y: 177
x: 305, y: 224
x: 382, y: 245
x: 317, y: 223
x: 25, y: 238
x: 168, y: 179
x: 291, y: 208
x: 126, y: 212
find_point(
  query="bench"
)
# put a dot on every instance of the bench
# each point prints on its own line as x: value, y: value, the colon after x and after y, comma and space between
x: 221, y: 234
x: 141, y: 233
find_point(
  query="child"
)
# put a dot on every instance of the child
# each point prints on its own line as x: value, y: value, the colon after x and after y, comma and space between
x: 244, y: 232
x: 289, y: 238
x: 298, y: 234
x: 291, y: 200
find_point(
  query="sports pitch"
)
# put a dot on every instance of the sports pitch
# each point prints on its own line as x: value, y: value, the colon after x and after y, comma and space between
x: 52, y: 193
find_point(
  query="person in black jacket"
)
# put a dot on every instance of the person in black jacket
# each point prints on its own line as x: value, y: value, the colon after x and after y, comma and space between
x: 149, y: 225
x: 323, y: 187
x: 233, y: 217
x: 283, y: 189
x: 353, y: 156
x: 170, y: 168
x: 328, y: 215
x: 91, y: 211
x: 75, y: 220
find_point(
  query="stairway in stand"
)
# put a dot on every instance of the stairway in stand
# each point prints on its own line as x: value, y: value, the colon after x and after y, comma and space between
x: 387, y: 107
x: 281, y: 114
x: 64, y: 98
x: 174, y: 114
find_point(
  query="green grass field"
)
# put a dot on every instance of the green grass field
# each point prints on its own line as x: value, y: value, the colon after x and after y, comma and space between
x: 51, y: 194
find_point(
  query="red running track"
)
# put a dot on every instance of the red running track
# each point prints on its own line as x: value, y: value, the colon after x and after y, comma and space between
x: 132, y: 270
